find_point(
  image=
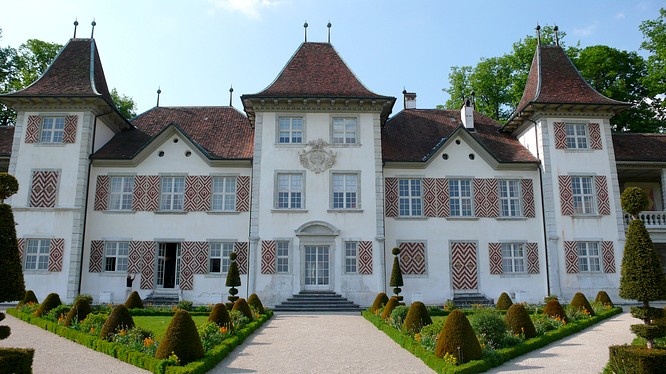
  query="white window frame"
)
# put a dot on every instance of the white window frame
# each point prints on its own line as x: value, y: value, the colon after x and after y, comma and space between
x: 291, y: 132
x: 121, y: 195
x: 410, y: 197
x: 172, y: 197
x: 219, y: 251
x: 589, y: 256
x: 509, y: 194
x: 577, y: 136
x: 52, y: 130
x: 583, y: 197
x: 118, y: 251
x: 38, y: 250
x: 514, y: 258
x: 343, y: 198
x: 223, y: 194
x: 463, y: 197
x: 282, y: 249
x: 292, y: 191
x: 343, y: 131
x: 351, y: 257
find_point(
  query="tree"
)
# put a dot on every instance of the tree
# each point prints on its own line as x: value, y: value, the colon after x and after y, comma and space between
x: 654, y: 32
x: 233, y: 278
x: 125, y: 104
x: 12, y: 285
x: 396, y: 275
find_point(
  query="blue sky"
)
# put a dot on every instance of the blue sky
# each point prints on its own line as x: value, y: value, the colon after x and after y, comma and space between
x: 196, y: 49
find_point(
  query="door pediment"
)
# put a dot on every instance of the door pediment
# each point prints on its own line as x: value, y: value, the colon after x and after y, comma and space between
x: 317, y: 228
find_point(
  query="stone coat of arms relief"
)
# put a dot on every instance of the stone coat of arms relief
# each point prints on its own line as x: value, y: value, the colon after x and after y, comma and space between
x: 315, y: 157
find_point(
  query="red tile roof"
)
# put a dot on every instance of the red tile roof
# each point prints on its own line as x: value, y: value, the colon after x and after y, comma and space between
x: 221, y: 132
x: 6, y: 140
x: 639, y: 147
x: 414, y: 134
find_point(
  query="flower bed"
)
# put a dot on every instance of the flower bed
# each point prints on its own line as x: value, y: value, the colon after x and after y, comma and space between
x: 498, y: 345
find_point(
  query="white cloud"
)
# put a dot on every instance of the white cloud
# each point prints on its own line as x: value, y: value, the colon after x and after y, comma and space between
x: 585, y: 31
x: 620, y: 15
x: 249, y: 8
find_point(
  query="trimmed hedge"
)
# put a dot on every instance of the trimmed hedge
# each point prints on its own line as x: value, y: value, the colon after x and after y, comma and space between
x: 554, y: 309
x: 16, y: 360
x: 182, y: 339
x: 503, y: 302
x: 119, y: 318
x: 603, y: 298
x: 29, y: 298
x: 255, y: 302
x: 51, y: 301
x: 458, y: 339
x: 380, y: 300
x: 134, y: 301
x: 519, y: 321
x: 220, y: 316
x: 416, y: 318
x: 639, y: 359
x: 580, y: 302
x: 79, y: 311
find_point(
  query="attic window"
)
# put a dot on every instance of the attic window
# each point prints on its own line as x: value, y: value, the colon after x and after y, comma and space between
x: 175, y: 140
x: 458, y: 141
x: 471, y: 156
x: 445, y: 156
x: 161, y: 154
x: 188, y: 153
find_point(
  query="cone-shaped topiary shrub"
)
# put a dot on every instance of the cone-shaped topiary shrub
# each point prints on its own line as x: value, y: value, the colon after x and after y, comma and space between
x: 229, y: 305
x: 220, y: 316
x: 519, y: 322
x: 417, y: 317
x: 134, y: 301
x: 603, y: 298
x: 254, y: 302
x: 242, y: 306
x: 580, y: 302
x: 12, y: 286
x: 120, y: 318
x: 503, y: 302
x: 29, y: 298
x: 379, y: 302
x: 388, y: 308
x: 182, y: 339
x: 554, y: 309
x: 51, y: 301
x: 79, y: 311
x: 396, y: 274
x: 458, y: 339
x: 233, y: 278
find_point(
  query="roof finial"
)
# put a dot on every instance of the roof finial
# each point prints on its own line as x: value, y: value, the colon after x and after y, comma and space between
x: 538, y: 30
x: 76, y: 23
x: 329, y: 31
x: 159, y: 91
x: 231, y: 95
x: 557, y: 36
x: 305, y: 26
x: 93, y: 28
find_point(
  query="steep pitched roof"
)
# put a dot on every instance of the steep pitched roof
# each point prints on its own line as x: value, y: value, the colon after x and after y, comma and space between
x: 6, y: 140
x: 220, y: 132
x: 639, y: 147
x: 414, y: 135
x: 554, y: 80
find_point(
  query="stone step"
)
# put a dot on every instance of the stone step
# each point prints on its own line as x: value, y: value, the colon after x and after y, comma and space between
x: 317, y: 301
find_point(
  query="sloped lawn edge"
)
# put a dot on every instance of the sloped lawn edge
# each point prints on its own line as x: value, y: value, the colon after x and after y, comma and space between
x: 499, y: 357
x: 142, y: 360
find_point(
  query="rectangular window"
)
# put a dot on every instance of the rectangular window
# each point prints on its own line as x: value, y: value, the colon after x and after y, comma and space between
x: 513, y: 258
x: 282, y: 256
x: 115, y: 256
x: 121, y: 194
x: 224, y: 194
x: 460, y: 197
x: 289, y: 191
x: 588, y: 257
x: 290, y: 130
x: 37, y: 254
x: 351, y: 252
x: 219, y: 257
x: 173, y: 193
x: 53, y: 129
x: 344, y: 130
x: 409, y: 192
x: 576, y: 136
x: 509, y: 198
x: 583, y: 195
x: 345, y: 191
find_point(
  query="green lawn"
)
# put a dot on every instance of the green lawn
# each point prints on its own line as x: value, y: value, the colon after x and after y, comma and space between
x: 158, y: 325
x: 436, y: 319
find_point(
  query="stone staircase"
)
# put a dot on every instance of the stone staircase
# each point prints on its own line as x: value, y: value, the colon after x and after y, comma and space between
x: 470, y: 299
x: 317, y: 301
x: 162, y: 297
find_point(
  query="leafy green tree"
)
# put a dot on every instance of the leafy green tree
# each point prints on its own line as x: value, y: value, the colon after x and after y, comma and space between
x: 125, y: 104
x: 654, y: 32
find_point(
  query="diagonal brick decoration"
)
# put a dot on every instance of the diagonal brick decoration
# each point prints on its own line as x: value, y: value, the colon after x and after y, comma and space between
x: 365, y: 257
x: 412, y: 258
x: 608, y: 254
x: 44, y: 188
x: 69, y: 132
x: 566, y: 195
x: 601, y: 186
x: 464, y: 266
x: 56, y: 254
x: 391, y: 197
x: 527, y: 191
x: 571, y: 257
x: 268, y: 257
x: 32, y: 129
x: 495, y: 258
x: 595, y: 136
x: 241, y: 249
x: 242, y: 193
x: 560, y: 133
x: 532, y: 252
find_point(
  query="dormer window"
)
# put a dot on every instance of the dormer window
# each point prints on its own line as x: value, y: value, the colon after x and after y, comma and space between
x: 576, y: 136
x: 53, y: 130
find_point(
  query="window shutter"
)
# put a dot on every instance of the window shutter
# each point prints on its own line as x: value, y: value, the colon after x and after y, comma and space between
x: 197, y: 193
x: 486, y: 203
x: 102, y: 192
x: 44, y: 188
x: 243, y: 193
x: 365, y: 257
x: 527, y: 190
x: 21, y: 244
x: 608, y: 254
x: 268, y: 257
x: 56, y: 253
x: 532, y: 251
x: 571, y: 256
x: 186, y: 281
x: 241, y: 249
x: 32, y: 129
x: 595, y: 136
x: 134, y: 258
x: 146, y: 196
x: 566, y: 195
x: 69, y: 132
x: 443, y: 208
x: 603, y: 205
x: 148, y: 261
x: 412, y: 258
x: 96, y: 256
x: 391, y: 197
x: 200, y: 265
x: 495, y: 258
x: 429, y: 197
x: 560, y: 133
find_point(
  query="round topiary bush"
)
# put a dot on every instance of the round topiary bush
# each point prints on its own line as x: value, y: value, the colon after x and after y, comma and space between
x: 28, y: 298
x: 634, y: 200
x: 603, y: 298
x: 580, y: 302
x: 254, y: 302
x: 220, y: 316
x: 503, y: 302
x: 51, y: 301
x: 242, y: 306
x: 120, y: 318
x: 379, y: 302
x: 134, y: 301
x: 182, y: 339
x: 417, y: 317
x: 79, y: 311
x: 519, y: 321
x: 388, y: 308
x: 554, y: 309
x: 8, y: 186
x: 458, y: 339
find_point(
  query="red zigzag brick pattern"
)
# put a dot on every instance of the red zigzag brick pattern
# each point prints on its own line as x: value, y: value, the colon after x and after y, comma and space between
x: 242, y: 193
x: 391, y: 197
x: 527, y: 190
x: 532, y: 251
x: 44, y: 188
x: 200, y: 265
x: 56, y: 254
x: 69, y: 132
x: 96, y: 256
x: 102, y: 192
x: 486, y: 202
x: 603, y: 205
x: 267, y: 257
x: 187, y: 259
x: 429, y: 197
x: 412, y: 258
x: 566, y: 195
x: 595, y: 136
x: 241, y: 249
x: 571, y: 257
x: 148, y: 263
x: 197, y: 193
x: 608, y: 254
x: 495, y: 258
x: 464, y: 266
x: 365, y: 257
x: 560, y: 133
x: 134, y: 260
x: 32, y: 129
x: 21, y: 244
x: 146, y: 193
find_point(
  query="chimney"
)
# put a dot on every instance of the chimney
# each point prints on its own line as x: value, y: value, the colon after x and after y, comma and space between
x: 409, y: 99
x: 467, y: 113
